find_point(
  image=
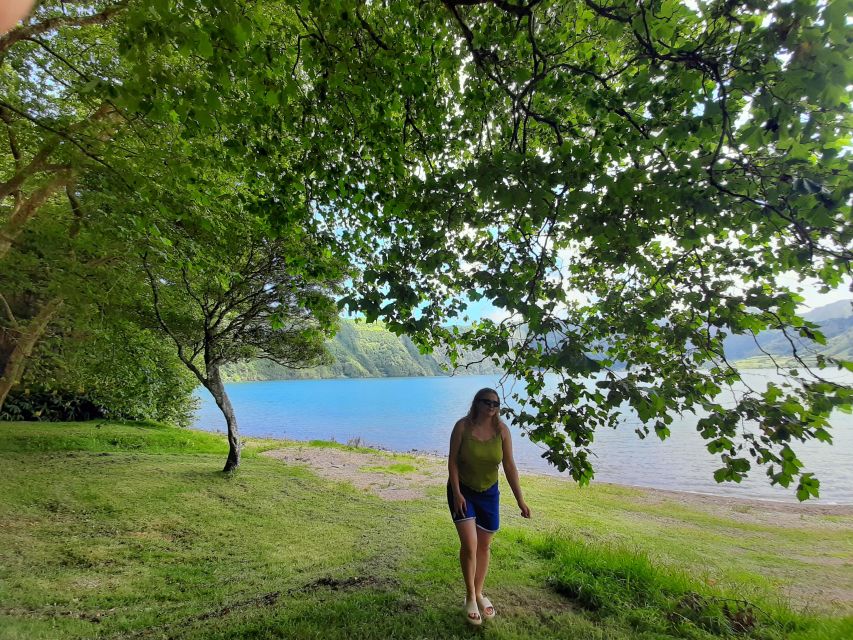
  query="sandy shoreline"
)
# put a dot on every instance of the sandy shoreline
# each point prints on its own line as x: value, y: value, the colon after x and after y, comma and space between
x: 709, y: 499
x: 344, y: 464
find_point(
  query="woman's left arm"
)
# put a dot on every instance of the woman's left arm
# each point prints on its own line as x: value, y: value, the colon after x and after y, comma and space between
x: 511, y: 471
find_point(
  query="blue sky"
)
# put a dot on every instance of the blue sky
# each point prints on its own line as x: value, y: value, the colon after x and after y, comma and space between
x: 485, y: 309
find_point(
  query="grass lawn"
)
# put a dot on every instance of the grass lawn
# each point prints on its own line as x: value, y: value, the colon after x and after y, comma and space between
x: 132, y: 531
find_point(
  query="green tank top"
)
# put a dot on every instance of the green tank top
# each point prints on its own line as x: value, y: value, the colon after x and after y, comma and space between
x: 478, y: 460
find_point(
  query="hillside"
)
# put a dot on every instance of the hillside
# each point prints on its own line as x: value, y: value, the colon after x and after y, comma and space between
x: 361, y: 350
x: 836, y: 323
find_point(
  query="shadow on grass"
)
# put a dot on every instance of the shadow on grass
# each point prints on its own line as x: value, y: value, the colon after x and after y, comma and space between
x: 349, y: 609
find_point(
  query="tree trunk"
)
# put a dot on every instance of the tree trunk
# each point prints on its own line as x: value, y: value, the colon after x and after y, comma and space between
x: 30, y: 335
x: 24, y: 210
x: 25, y: 31
x: 217, y: 390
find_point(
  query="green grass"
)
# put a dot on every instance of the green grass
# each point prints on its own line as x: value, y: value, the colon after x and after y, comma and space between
x: 326, y: 444
x: 625, y: 587
x: 102, y: 437
x: 398, y: 468
x: 125, y: 530
x: 353, y: 446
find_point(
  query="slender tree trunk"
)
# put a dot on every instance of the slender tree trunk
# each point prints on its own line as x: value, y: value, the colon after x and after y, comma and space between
x: 107, y: 121
x: 217, y: 390
x: 24, y: 210
x: 30, y: 335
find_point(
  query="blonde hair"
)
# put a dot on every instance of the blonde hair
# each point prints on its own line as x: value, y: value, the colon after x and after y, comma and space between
x: 474, y: 411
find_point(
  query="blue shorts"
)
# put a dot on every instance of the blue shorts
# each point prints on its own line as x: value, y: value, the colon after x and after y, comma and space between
x: 481, y: 506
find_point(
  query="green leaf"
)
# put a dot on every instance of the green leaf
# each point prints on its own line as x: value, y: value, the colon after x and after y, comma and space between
x: 204, y: 46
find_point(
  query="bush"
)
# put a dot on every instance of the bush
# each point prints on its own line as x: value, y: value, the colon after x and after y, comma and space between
x: 119, y: 371
x: 50, y: 406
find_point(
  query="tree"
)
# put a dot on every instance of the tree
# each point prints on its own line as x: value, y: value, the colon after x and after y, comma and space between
x: 247, y: 297
x: 55, y: 127
x: 93, y: 350
x: 635, y: 178
x: 627, y: 181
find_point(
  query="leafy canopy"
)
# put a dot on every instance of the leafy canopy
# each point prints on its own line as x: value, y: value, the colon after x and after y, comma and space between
x: 627, y: 180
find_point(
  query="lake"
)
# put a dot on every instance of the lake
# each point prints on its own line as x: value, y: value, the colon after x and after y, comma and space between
x: 402, y: 414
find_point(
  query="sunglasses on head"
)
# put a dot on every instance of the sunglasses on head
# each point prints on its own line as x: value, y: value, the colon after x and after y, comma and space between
x: 494, y: 404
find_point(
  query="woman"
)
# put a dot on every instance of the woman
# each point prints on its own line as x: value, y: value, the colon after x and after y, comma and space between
x: 479, y: 443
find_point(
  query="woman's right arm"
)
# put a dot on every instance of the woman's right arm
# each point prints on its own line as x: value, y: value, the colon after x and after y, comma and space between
x: 453, y: 466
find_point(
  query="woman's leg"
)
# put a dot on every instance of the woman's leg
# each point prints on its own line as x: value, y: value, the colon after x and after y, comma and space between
x: 468, y: 555
x: 484, y: 539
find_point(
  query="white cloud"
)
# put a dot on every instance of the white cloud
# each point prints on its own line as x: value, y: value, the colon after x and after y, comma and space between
x: 809, y: 289
x: 498, y: 315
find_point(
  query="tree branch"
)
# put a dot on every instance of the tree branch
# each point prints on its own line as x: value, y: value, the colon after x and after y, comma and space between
x: 156, y: 299
x: 8, y: 311
x: 102, y: 112
x: 369, y: 29
x: 25, y: 210
x: 30, y: 30
x: 519, y: 10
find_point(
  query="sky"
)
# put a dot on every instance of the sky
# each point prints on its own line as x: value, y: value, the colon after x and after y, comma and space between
x: 477, y: 310
x: 813, y: 299
x: 484, y: 309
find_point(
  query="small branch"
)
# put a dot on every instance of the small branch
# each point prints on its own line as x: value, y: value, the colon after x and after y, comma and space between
x: 76, y: 209
x: 369, y: 29
x: 518, y: 10
x: 156, y: 298
x: 8, y: 311
x: 35, y: 165
x: 102, y: 112
x: 25, y: 210
x: 607, y: 12
x: 45, y: 46
x: 189, y: 289
x: 13, y: 140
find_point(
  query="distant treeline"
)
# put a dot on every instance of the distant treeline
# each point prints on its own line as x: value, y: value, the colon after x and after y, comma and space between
x: 362, y: 350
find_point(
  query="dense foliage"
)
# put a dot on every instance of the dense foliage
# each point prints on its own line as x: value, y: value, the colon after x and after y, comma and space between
x: 117, y: 371
x: 629, y: 182
x: 62, y: 248
x: 92, y: 357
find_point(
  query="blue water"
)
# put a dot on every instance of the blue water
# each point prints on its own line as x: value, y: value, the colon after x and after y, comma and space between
x: 403, y: 414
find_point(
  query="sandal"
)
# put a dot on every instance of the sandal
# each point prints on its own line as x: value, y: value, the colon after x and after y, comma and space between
x: 485, y: 605
x: 472, y: 610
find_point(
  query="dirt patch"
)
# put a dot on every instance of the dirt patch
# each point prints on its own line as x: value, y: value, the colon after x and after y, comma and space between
x: 349, y: 466
x: 431, y: 470
x: 751, y: 511
x: 264, y: 600
x: 354, y: 582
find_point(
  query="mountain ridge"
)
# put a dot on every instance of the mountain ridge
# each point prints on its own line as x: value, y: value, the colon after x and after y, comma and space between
x: 362, y: 350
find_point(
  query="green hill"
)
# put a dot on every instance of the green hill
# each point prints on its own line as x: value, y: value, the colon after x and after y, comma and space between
x: 836, y: 324
x: 361, y: 350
